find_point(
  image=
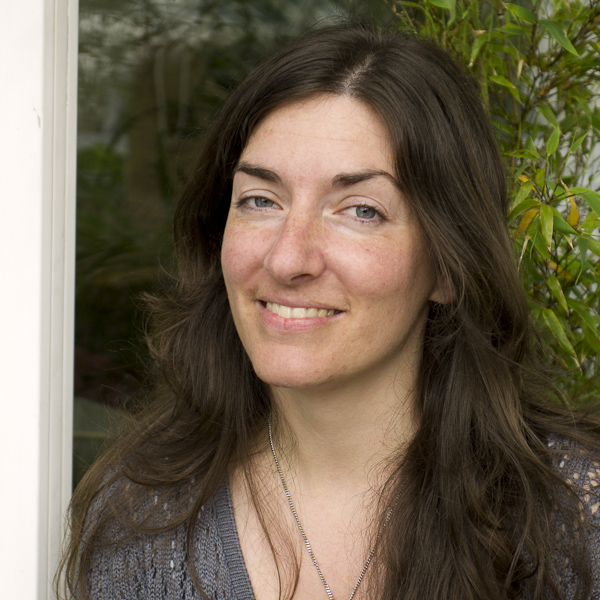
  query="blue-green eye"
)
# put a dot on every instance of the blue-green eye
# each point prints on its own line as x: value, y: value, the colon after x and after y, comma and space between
x: 366, y: 212
x: 259, y: 202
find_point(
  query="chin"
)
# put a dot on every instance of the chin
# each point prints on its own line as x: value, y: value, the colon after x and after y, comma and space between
x: 288, y: 378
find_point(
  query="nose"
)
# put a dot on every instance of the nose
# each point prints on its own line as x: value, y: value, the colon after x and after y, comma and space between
x: 297, y: 254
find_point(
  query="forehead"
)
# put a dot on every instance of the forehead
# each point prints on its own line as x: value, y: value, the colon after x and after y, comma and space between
x: 325, y: 131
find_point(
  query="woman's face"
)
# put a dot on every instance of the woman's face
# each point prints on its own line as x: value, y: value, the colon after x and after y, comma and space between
x: 326, y: 268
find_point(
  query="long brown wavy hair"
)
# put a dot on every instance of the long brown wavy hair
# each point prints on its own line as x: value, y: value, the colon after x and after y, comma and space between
x: 477, y: 497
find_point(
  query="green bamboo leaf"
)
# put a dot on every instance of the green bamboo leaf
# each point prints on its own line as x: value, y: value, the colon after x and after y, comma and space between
x: 478, y: 44
x: 583, y: 249
x: 585, y: 107
x: 560, y: 224
x: 547, y: 223
x: 554, y: 325
x: 511, y: 29
x: 558, y: 33
x: 576, y: 143
x: 538, y: 243
x: 540, y: 178
x: 522, y: 207
x: 548, y: 114
x: 594, y: 246
x: 583, y: 311
x: 447, y: 4
x: 500, y: 80
x: 592, y: 337
x: 523, y: 192
x: 530, y: 147
x: 590, y: 196
x: 553, y: 140
x: 554, y: 286
x: 521, y: 12
x: 577, y: 305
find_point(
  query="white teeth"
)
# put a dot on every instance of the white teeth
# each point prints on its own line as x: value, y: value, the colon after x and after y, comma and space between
x: 293, y: 312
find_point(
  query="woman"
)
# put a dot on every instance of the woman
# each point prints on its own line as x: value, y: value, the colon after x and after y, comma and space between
x: 350, y: 402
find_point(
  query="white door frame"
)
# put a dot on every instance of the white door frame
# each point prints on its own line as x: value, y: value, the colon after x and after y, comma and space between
x: 38, y: 107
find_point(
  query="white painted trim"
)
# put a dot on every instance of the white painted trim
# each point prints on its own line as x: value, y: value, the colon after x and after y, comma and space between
x: 38, y: 75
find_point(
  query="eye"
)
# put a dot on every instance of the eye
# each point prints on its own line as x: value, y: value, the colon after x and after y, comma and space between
x: 366, y: 212
x: 255, y: 203
x: 258, y: 202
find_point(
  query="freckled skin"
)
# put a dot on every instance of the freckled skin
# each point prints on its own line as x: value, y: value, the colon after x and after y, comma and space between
x: 303, y: 243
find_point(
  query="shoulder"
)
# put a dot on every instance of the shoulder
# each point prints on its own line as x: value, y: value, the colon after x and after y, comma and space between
x: 150, y: 559
x: 579, y: 467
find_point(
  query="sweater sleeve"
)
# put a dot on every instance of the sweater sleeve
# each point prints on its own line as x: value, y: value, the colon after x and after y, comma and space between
x: 581, y: 470
x: 154, y: 566
x: 119, y: 571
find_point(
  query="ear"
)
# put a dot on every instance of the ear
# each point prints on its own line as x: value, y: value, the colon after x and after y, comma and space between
x: 443, y: 292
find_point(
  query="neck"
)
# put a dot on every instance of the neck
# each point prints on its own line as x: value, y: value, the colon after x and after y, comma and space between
x: 342, y: 438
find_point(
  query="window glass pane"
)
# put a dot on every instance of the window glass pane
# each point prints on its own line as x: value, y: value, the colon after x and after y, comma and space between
x: 151, y: 75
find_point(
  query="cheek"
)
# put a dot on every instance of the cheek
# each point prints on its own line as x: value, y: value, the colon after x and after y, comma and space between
x: 401, y: 275
x: 240, y: 255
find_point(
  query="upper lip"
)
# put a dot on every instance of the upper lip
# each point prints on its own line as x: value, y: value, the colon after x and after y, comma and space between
x: 300, y: 303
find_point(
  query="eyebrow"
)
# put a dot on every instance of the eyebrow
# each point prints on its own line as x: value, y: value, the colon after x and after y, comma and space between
x: 348, y: 179
x: 258, y: 172
x: 341, y: 180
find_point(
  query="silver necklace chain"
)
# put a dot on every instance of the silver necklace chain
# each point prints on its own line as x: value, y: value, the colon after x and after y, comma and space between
x: 307, y: 543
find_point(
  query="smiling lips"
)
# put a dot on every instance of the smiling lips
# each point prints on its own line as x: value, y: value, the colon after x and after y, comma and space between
x: 294, y: 312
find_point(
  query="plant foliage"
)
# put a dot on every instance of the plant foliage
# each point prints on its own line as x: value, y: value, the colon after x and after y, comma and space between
x: 538, y: 64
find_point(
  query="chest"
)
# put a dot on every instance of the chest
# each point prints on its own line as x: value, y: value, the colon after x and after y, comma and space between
x: 276, y: 554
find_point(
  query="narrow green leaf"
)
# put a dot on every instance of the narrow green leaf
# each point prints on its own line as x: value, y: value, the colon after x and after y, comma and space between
x: 540, y: 178
x: 521, y: 12
x: 522, y: 207
x: 530, y: 147
x: 519, y: 172
x: 478, y: 44
x: 538, y: 242
x: 511, y: 29
x: 594, y: 246
x: 560, y: 224
x: 555, y: 326
x: 523, y: 192
x: 557, y: 32
x: 583, y: 311
x: 592, y: 337
x: 547, y: 223
x: 447, y: 4
x: 554, y: 286
x: 548, y: 114
x: 576, y: 143
x: 577, y: 306
x: 558, y: 191
x: 583, y: 249
x: 590, y: 196
x: 500, y: 80
x: 553, y: 140
x: 585, y: 107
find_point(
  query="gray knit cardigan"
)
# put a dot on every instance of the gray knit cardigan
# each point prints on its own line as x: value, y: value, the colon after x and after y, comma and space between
x: 153, y: 567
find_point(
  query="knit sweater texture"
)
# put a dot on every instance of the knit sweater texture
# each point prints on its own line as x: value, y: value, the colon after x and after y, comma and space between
x: 154, y: 567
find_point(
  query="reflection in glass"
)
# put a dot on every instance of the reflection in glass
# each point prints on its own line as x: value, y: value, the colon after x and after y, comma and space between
x: 151, y: 75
